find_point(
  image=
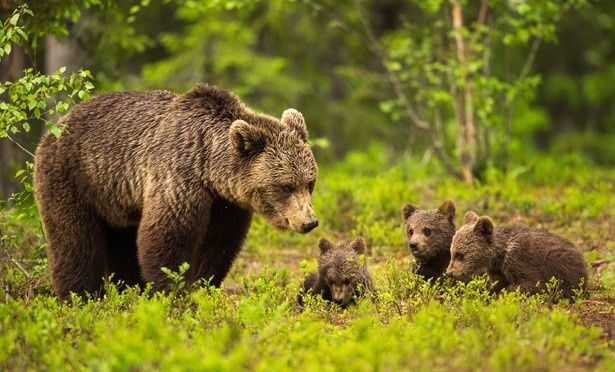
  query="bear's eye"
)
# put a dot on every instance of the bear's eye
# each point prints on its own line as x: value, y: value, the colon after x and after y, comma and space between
x: 459, y: 256
x: 427, y: 231
x: 287, y: 188
x: 410, y: 232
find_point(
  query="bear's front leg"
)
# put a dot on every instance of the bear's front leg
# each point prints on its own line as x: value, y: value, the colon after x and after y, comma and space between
x: 169, y: 231
x: 227, y: 228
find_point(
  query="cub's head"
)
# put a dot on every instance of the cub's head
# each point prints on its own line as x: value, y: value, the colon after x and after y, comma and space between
x: 429, y: 231
x: 278, y: 170
x: 341, y: 270
x: 473, y: 249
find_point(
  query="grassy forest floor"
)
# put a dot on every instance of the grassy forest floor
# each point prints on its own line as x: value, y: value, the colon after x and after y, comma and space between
x: 253, y: 322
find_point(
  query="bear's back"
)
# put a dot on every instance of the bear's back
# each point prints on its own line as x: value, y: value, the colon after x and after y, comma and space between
x: 104, y: 150
x: 539, y: 255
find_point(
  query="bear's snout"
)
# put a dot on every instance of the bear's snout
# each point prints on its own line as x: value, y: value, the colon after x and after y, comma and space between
x: 307, y: 227
x: 300, y: 214
x: 340, y: 294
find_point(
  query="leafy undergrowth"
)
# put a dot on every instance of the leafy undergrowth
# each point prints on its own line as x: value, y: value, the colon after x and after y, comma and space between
x: 253, y: 322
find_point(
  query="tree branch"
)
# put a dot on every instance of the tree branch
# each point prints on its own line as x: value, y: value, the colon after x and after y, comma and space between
x: 337, y: 21
x: 20, y: 146
x: 16, y: 263
x: 480, y: 20
x: 440, y: 147
x: 530, y: 58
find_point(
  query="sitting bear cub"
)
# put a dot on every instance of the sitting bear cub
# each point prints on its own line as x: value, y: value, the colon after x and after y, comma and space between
x: 516, y: 256
x: 430, y: 233
x: 341, y: 273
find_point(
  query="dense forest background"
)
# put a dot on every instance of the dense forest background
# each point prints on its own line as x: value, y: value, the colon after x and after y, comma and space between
x: 534, y: 76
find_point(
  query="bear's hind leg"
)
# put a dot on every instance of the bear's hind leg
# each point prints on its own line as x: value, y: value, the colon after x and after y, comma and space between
x: 122, y: 259
x: 76, y: 244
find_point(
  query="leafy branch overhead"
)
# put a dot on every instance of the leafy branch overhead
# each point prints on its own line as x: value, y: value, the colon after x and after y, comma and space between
x: 35, y: 97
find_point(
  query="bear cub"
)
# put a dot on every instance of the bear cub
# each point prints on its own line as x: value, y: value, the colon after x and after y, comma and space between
x: 430, y: 233
x: 342, y: 274
x: 516, y: 256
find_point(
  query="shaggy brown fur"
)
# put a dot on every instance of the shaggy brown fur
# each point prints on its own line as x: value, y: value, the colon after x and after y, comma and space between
x: 430, y: 233
x: 341, y: 273
x: 515, y: 256
x: 142, y: 181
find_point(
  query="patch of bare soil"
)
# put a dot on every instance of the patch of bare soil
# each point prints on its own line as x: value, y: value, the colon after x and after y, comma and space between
x: 600, y: 312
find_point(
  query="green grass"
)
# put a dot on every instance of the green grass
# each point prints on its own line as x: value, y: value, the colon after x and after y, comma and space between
x: 253, y: 322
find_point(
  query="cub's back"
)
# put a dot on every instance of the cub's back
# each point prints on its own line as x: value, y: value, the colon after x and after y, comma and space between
x: 539, y: 255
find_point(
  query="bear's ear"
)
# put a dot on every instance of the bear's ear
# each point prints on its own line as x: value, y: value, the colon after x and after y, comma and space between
x: 294, y: 119
x: 470, y: 217
x: 484, y: 227
x: 408, y: 210
x: 325, y: 245
x: 358, y: 245
x: 448, y: 209
x: 247, y: 139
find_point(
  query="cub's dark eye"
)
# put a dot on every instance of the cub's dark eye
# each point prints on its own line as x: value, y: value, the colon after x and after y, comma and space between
x: 459, y: 256
x: 287, y: 188
x: 427, y: 231
x: 311, y: 186
x: 410, y: 232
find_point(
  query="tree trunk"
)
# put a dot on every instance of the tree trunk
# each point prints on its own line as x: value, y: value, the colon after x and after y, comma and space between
x: 467, y: 139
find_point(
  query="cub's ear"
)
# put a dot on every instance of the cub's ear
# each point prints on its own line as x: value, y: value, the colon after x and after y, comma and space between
x: 408, y: 210
x: 448, y: 209
x: 294, y: 119
x: 470, y: 217
x: 484, y: 227
x: 247, y: 139
x: 325, y: 245
x: 358, y: 245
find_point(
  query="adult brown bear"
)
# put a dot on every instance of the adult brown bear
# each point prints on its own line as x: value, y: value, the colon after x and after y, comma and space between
x: 142, y: 181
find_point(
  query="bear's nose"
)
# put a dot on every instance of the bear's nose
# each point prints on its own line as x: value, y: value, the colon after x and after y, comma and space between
x: 413, y: 247
x: 307, y: 227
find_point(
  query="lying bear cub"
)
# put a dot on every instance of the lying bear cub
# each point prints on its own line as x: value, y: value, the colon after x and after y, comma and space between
x: 516, y: 256
x: 341, y: 274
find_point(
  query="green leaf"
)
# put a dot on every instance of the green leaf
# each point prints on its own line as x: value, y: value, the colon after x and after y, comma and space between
x: 14, y: 19
x: 57, y: 132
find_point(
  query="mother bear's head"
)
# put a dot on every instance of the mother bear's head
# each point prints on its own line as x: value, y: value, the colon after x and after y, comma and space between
x: 276, y: 170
